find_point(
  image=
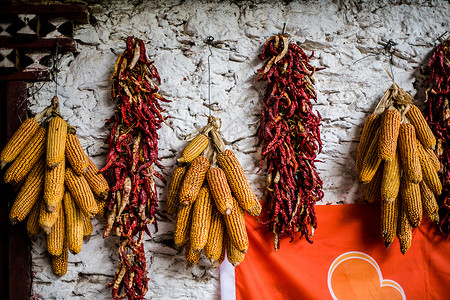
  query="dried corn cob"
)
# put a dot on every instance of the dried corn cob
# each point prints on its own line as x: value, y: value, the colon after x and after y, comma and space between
x: 27, y: 158
x: 75, y: 154
x: 184, y: 216
x: 191, y: 256
x: 102, y: 207
x: 390, y: 125
x: 220, y: 190
x: 29, y: 193
x: 81, y: 193
x: 234, y: 256
x: 213, y: 248
x: 389, y: 220
x: 174, y: 187
x: 372, y: 189
x: 434, y: 159
x: 429, y: 174
x: 74, y: 224
x: 60, y: 262
x: 193, y: 180
x: 33, y: 227
x: 238, y: 181
x: 18, y: 141
x: 54, y: 186
x: 412, y: 201
x: 56, y: 141
x: 96, y: 181
x: 371, y: 161
x: 423, y: 131
x: 370, y: 127
x: 55, y: 239
x: 429, y: 203
x: 390, y: 183
x: 404, y: 230
x: 201, y: 220
x: 409, y: 155
x: 194, y: 148
x: 87, y: 225
x: 48, y: 219
x: 256, y: 209
x: 236, y: 231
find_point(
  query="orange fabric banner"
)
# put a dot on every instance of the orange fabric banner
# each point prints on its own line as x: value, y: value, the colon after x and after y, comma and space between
x: 348, y: 260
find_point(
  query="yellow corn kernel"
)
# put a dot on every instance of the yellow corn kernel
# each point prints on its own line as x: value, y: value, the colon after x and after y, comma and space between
x: 434, y: 159
x: 390, y: 125
x: 191, y: 256
x: 74, y: 224
x: 404, y: 229
x: 238, y: 182
x: 214, y: 245
x: 184, y: 216
x: 372, y: 189
x: 55, y: 239
x: 389, y: 220
x: 75, y: 154
x: 201, y: 220
x: 220, y: 190
x: 194, y: 148
x: 87, y: 225
x: 236, y: 231
x: 423, y: 131
x: 56, y: 141
x: 27, y: 158
x: 48, y: 219
x: 102, y: 207
x: 33, y: 227
x: 81, y: 192
x: 193, y: 180
x: 407, y: 145
x: 234, y: 256
x: 96, y: 181
x: 390, y: 183
x: 370, y: 127
x: 29, y: 193
x: 429, y: 203
x: 429, y: 174
x: 371, y: 160
x: 18, y: 141
x: 412, y: 201
x: 256, y: 209
x: 174, y: 188
x: 60, y: 262
x: 54, y: 186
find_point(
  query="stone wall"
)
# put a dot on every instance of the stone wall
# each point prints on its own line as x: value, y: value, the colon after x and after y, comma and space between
x: 347, y: 37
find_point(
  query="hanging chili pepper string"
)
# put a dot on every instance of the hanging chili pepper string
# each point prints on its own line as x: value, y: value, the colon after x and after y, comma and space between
x: 290, y: 139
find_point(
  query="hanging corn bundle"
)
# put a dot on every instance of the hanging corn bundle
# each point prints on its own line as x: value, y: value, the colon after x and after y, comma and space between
x: 133, y: 153
x: 397, y: 166
x: 210, y: 192
x: 437, y: 114
x: 290, y: 139
x: 62, y: 188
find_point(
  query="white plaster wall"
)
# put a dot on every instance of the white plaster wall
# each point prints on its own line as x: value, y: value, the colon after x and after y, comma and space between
x: 339, y: 32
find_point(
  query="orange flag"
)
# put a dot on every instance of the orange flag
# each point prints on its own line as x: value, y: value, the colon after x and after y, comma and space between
x: 348, y: 260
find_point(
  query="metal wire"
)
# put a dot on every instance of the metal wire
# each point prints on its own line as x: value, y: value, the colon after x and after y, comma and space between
x: 209, y: 40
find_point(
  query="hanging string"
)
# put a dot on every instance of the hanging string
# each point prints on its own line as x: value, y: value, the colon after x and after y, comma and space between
x: 55, y: 69
x: 284, y: 27
x: 209, y: 40
x: 442, y: 37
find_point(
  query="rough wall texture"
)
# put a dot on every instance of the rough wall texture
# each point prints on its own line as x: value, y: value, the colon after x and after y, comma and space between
x: 347, y: 38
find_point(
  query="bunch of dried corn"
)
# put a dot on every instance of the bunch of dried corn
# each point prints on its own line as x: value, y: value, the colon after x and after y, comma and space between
x: 61, y: 185
x: 397, y: 166
x: 210, y: 192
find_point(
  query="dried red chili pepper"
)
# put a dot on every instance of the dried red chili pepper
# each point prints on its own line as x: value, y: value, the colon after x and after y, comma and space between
x: 290, y: 139
x: 133, y: 151
x: 437, y: 114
